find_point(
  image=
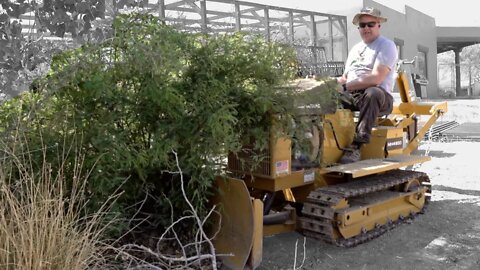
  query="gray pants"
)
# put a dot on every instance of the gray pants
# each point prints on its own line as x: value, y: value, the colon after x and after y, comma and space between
x: 372, y: 103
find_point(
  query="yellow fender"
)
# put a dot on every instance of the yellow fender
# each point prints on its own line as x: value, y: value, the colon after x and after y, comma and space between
x: 239, y: 238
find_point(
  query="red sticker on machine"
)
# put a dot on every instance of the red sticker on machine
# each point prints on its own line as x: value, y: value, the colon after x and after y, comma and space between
x: 281, y: 167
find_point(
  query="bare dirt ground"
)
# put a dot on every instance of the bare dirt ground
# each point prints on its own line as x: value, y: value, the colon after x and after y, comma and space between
x: 447, y: 236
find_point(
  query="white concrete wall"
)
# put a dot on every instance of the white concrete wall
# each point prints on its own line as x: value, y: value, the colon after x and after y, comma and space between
x: 422, y: 34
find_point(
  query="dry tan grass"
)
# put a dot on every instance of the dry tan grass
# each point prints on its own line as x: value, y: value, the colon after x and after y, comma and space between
x: 41, y: 226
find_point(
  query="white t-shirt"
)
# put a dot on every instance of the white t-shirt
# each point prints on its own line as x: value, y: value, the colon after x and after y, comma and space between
x: 363, y: 57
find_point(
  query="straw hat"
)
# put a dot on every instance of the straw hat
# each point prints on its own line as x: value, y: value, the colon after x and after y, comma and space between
x: 371, y: 12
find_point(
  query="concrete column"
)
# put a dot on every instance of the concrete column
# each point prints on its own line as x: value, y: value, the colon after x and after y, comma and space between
x: 457, y: 71
x: 161, y: 10
x: 203, y: 15
x: 266, y: 13
x: 238, y: 17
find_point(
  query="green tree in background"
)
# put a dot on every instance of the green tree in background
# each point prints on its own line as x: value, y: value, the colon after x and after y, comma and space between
x: 25, y: 50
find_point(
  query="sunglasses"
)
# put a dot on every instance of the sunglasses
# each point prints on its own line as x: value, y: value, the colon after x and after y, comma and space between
x: 369, y: 24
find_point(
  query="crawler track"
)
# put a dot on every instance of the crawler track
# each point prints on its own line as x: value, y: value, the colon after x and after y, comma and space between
x: 323, y: 204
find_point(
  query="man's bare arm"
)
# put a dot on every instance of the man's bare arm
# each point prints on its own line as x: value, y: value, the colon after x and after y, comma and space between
x: 342, y: 79
x: 378, y: 75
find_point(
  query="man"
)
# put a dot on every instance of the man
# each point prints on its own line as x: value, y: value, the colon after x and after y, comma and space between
x: 368, y: 78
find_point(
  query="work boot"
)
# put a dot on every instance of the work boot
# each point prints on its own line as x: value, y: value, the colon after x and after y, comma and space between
x: 350, y: 154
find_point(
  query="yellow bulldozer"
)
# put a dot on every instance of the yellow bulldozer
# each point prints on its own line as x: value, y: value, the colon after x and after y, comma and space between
x: 342, y: 204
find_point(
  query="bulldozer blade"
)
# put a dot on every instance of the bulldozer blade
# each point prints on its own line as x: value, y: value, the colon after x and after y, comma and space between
x: 239, y: 238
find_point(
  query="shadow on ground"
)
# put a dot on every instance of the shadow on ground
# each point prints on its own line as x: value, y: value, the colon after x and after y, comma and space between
x: 446, y: 237
x: 434, y: 153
